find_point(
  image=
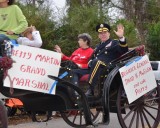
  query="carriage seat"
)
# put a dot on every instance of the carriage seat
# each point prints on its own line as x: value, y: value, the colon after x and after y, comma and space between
x: 156, y: 69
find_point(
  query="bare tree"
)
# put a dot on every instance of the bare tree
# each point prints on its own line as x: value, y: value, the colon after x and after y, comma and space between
x: 134, y: 10
x: 34, y: 2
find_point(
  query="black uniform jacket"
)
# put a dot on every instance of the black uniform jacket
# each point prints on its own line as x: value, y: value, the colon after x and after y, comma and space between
x: 109, y: 50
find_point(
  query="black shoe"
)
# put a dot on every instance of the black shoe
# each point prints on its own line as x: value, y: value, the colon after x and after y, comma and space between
x: 90, y: 92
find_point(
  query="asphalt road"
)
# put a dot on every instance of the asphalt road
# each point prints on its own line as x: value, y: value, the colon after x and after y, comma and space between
x: 59, y: 123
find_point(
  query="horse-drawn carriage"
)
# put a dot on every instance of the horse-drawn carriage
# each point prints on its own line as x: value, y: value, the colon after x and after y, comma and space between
x: 81, y: 111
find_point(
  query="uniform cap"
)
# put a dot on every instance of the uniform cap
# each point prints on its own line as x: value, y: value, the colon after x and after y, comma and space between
x: 103, y: 27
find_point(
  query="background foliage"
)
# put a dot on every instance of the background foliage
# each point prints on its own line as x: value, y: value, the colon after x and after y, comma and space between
x: 140, y: 18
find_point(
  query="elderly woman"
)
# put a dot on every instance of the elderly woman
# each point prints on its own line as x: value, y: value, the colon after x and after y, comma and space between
x: 80, y: 56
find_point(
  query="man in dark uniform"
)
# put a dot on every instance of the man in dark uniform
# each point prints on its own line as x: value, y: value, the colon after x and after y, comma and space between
x: 106, y: 51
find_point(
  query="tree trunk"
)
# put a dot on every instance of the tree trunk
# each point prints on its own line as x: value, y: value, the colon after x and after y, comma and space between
x: 34, y: 2
x: 135, y: 11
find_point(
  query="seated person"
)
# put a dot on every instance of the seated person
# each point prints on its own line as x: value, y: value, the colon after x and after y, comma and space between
x: 106, y: 51
x: 81, y: 55
x: 12, y: 21
x: 30, y: 37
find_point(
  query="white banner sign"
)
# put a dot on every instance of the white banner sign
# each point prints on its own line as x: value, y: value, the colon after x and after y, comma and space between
x: 138, y: 78
x: 31, y: 67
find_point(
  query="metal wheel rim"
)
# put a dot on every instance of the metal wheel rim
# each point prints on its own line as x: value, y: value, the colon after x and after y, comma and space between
x: 139, y: 111
x: 77, y: 119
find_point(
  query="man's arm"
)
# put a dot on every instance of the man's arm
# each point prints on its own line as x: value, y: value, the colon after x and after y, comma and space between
x: 122, y: 40
x: 123, y: 45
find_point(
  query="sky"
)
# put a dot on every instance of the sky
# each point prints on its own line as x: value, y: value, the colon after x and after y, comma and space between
x: 59, y: 8
x: 59, y: 3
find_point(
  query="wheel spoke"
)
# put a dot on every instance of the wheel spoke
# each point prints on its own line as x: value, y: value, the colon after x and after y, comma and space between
x: 151, y: 107
x: 77, y: 120
x: 130, y: 105
x: 130, y: 125
x: 150, y: 114
x: 142, y: 122
x: 151, y: 99
x: 80, y: 117
x: 75, y: 117
x: 137, y: 120
x: 129, y: 113
x: 69, y: 113
x: 146, y: 119
x: 139, y: 114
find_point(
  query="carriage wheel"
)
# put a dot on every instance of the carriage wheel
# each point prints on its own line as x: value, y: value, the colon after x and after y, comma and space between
x: 3, y: 116
x: 41, y: 116
x: 142, y: 113
x: 75, y: 118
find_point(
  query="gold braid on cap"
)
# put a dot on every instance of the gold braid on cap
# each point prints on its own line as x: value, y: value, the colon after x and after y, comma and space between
x: 103, y: 29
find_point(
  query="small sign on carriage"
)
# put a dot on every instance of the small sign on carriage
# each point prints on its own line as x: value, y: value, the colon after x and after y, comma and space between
x: 138, y: 78
x: 31, y: 69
